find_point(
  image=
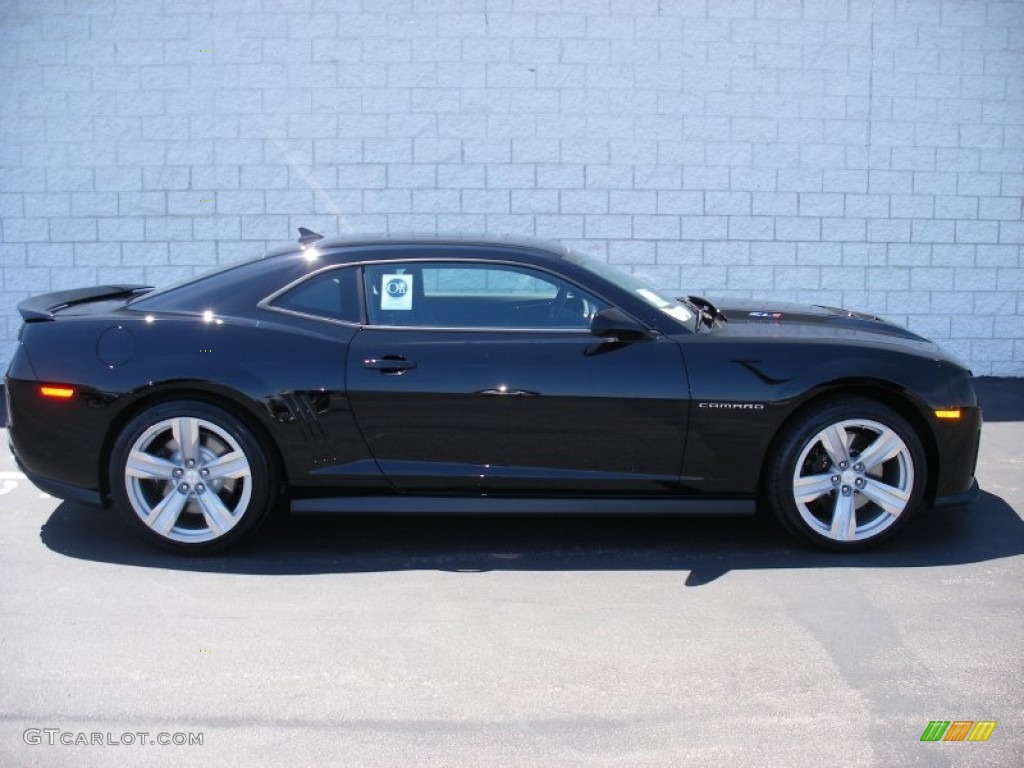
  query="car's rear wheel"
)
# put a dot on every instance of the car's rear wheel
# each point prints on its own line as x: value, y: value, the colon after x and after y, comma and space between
x: 847, y: 475
x: 190, y: 477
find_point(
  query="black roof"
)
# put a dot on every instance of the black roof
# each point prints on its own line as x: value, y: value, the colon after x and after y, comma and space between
x: 355, y: 239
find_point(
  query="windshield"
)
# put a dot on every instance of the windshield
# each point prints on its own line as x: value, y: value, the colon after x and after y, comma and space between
x: 673, y: 307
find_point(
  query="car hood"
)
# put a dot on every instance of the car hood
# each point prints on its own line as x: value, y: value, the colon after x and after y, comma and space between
x: 805, y: 321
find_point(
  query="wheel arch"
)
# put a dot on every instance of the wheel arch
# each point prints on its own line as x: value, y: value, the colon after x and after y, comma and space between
x: 879, y: 390
x: 187, y: 390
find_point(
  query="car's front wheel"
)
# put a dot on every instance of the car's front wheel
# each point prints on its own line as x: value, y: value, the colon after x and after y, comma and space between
x: 190, y: 477
x: 847, y: 474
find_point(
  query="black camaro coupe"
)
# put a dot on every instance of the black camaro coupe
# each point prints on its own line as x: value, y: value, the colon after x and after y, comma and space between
x: 459, y: 374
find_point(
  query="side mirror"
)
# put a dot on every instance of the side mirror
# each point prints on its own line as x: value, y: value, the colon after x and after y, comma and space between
x: 615, y: 324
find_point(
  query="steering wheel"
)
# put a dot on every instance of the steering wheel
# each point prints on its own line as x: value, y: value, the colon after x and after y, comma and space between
x: 568, y: 309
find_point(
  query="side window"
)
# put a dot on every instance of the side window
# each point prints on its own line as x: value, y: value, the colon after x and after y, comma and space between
x: 474, y: 295
x: 332, y: 295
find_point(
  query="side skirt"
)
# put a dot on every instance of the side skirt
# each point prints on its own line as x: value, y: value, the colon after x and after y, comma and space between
x: 483, y: 505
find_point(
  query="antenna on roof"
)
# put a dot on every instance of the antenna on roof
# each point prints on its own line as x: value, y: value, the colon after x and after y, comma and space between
x: 307, y: 236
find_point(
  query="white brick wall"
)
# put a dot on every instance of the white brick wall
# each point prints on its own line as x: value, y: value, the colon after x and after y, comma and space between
x: 862, y: 152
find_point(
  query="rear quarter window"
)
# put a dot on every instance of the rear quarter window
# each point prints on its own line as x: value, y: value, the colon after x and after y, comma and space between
x: 330, y: 295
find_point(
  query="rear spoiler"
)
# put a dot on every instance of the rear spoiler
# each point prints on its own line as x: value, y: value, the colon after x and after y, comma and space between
x: 44, y: 306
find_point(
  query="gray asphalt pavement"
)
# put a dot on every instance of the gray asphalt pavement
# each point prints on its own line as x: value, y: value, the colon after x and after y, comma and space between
x: 517, y: 642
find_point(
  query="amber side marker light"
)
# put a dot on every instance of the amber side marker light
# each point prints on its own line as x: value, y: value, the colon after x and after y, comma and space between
x: 952, y: 413
x: 62, y: 393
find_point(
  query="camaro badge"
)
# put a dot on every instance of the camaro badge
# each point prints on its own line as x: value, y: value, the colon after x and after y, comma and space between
x: 734, y: 406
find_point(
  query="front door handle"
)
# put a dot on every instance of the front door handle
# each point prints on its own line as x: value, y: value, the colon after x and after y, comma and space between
x: 389, y: 364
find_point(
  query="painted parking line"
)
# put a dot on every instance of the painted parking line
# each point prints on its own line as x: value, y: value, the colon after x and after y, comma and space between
x: 9, y: 481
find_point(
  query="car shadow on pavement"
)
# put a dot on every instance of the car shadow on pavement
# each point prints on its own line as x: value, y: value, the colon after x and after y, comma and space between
x: 705, y: 548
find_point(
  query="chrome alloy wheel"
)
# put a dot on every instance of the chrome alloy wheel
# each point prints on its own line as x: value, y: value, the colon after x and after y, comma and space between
x: 188, y: 480
x: 853, y: 480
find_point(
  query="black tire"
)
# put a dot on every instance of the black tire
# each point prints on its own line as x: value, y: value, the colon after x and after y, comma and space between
x: 231, y: 482
x: 847, y: 515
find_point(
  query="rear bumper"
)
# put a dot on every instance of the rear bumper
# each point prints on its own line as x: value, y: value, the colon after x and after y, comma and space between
x: 58, y: 441
x: 90, y: 496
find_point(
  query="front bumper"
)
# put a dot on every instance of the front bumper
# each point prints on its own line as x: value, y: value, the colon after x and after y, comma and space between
x: 962, y: 499
x: 958, y: 443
